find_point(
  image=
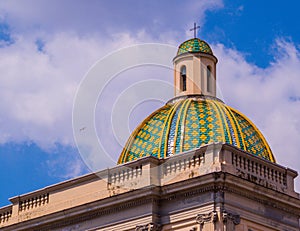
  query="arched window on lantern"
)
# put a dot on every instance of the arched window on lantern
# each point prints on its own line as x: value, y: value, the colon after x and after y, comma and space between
x: 208, y: 79
x: 183, y: 78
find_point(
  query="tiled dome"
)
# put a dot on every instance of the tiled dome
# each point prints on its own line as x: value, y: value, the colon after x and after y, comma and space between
x: 194, y: 45
x: 188, y: 123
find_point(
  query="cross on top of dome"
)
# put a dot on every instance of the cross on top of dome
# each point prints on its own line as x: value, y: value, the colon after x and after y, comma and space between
x: 195, y: 29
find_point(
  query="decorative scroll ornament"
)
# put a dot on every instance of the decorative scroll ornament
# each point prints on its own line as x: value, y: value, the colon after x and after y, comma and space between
x: 231, y: 217
x: 148, y: 227
x: 207, y: 217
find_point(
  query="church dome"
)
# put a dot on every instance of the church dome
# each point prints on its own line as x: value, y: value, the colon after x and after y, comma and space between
x: 194, y: 45
x: 189, y: 122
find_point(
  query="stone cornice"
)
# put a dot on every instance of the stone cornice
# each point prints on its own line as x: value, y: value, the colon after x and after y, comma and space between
x: 63, y: 185
x: 195, y: 186
x: 229, y: 183
x: 262, y: 195
x: 91, y: 210
x: 83, y: 179
x: 209, y: 169
x: 104, y: 173
x: 198, y: 54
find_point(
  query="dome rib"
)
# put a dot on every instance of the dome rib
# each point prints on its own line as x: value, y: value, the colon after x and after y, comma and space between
x: 166, y: 129
x: 172, y: 134
x: 236, y: 129
x: 182, y: 122
x: 227, y: 136
x: 214, y: 105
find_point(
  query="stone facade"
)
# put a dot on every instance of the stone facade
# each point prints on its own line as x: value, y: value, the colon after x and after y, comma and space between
x: 196, y: 74
x: 216, y: 187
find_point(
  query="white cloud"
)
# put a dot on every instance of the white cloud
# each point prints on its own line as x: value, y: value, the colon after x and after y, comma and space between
x: 54, y: 45
x: 106, y: 17
x: 64, y: 163
x: 38, y: 86
x: 270, y: 97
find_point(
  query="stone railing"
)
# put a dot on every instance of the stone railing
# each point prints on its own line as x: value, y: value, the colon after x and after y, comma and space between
x: 182, y: 162
x: 5, y: 214
x: 260, y: 172
x: 124, y: 173
x: 152, y: 171
x: 33, y: 202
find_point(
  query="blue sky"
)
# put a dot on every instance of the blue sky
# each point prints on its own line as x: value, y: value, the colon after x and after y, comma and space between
x: 46, y: 48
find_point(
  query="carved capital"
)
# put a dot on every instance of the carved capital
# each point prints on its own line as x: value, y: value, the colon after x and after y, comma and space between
x: 231, y: 217
x: 148, y: 227
x: 207, y: 217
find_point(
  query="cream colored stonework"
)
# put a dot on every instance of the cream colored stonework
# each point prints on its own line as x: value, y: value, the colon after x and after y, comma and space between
x: 196, y: 72
x: 216, y: 187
